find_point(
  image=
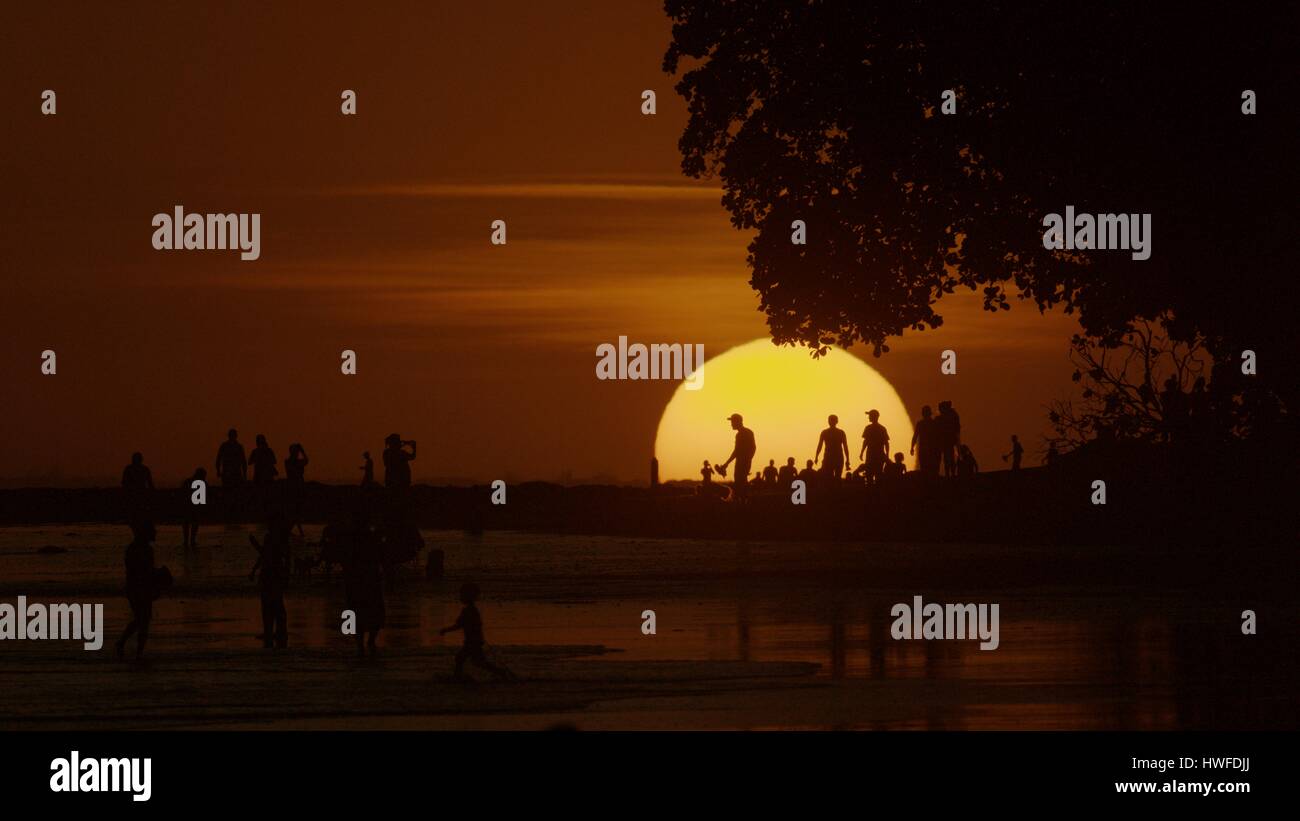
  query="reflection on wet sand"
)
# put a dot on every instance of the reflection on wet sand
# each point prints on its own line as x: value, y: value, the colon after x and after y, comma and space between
x: 1086, y: 657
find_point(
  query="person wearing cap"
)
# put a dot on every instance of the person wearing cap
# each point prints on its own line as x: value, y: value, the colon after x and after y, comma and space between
x: 875, y: 447
x: 742, y: 454
x: 397, y: 461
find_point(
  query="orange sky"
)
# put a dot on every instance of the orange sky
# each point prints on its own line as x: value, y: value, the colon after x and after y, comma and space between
x: 375, y: 238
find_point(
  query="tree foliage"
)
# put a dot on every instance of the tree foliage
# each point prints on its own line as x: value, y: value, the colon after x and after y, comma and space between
x: 828, y: 111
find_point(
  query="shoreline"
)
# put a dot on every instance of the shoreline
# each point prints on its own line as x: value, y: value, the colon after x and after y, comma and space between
x: 1167, y: 503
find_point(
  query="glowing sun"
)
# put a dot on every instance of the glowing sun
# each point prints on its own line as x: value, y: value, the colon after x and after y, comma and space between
x: 785, y: 396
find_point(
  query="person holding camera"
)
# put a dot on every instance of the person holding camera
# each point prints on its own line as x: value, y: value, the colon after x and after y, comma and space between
x: 397, y: 461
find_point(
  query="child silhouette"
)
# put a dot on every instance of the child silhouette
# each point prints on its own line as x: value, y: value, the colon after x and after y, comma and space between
x: 471, y: 623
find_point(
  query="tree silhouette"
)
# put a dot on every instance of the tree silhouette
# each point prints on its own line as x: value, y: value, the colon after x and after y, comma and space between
x: 829, y: 112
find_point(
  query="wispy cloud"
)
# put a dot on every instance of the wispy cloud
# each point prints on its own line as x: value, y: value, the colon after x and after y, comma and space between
x: 536, y: 190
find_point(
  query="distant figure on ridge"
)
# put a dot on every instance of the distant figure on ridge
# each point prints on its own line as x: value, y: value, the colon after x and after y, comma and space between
x: 1016, y: 452
x: 397, y: 461
x: 836, y: 445
x: 232, y: 467
x: 948, y: 426
x: 367, y: 470
x: 263, y: 461
x: 742, y: 454
x: 787, y: 474
x: 707, y: 489
x: 896, y: 469
x: 137, y: 481
x: 966, y: 464
x: 471, y: 623
x: 770, y: 472
x: 925, y: 438
x: 295, y: 466
x: 875, y: 447
x: 808, y: 474
x: 136, y: 476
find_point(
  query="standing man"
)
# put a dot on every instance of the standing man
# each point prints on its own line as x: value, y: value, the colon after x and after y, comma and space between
x: 1017, y: 451
x: 742, y: 454
x: 948, y: 425
x: 137, y: 481
x: 837, y: 448
x: 787, y: 474
x: 232, y: 467
x: 397, y: 461
x: 136, y: 476
x: 925, y: 438
x: 875, y: 447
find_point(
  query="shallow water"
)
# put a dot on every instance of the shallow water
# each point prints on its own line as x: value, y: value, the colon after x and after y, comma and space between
x: 1072, y: 655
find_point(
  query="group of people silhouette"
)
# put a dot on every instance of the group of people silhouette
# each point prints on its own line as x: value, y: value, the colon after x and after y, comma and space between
x: 367, y: 553
x: 936, y: 444
x: 233, y: 465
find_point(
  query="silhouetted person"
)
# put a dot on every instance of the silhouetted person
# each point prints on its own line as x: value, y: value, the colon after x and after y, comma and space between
x: 363, y: 581
x: 232, y: 467
x: 295, y: 481
x: 1053, y: 457
x: 137, y: 481
x: 471, y: 623
x: 948, y: 426
x: 896, y: 469
x: 190, y: 521
x: 742, y: 454
x: 263, y: 461
x: 136, y: 476
x: 397, y: 461
x: 875, y: 447
x: 788, y: 473
x: 925, y: 438
x: 707, y: 488
x: 367, y: 470
x: 295, y: 467
x: 770, y: 472
x: 1016, y: 452
x: 273, y: 562
x: 808, y: 474
x: 966, y: 464
x: 141, y: 586
x: 836, y: 445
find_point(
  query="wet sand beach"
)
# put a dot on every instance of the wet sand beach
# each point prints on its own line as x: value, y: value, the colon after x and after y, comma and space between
x: 749, y: 635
